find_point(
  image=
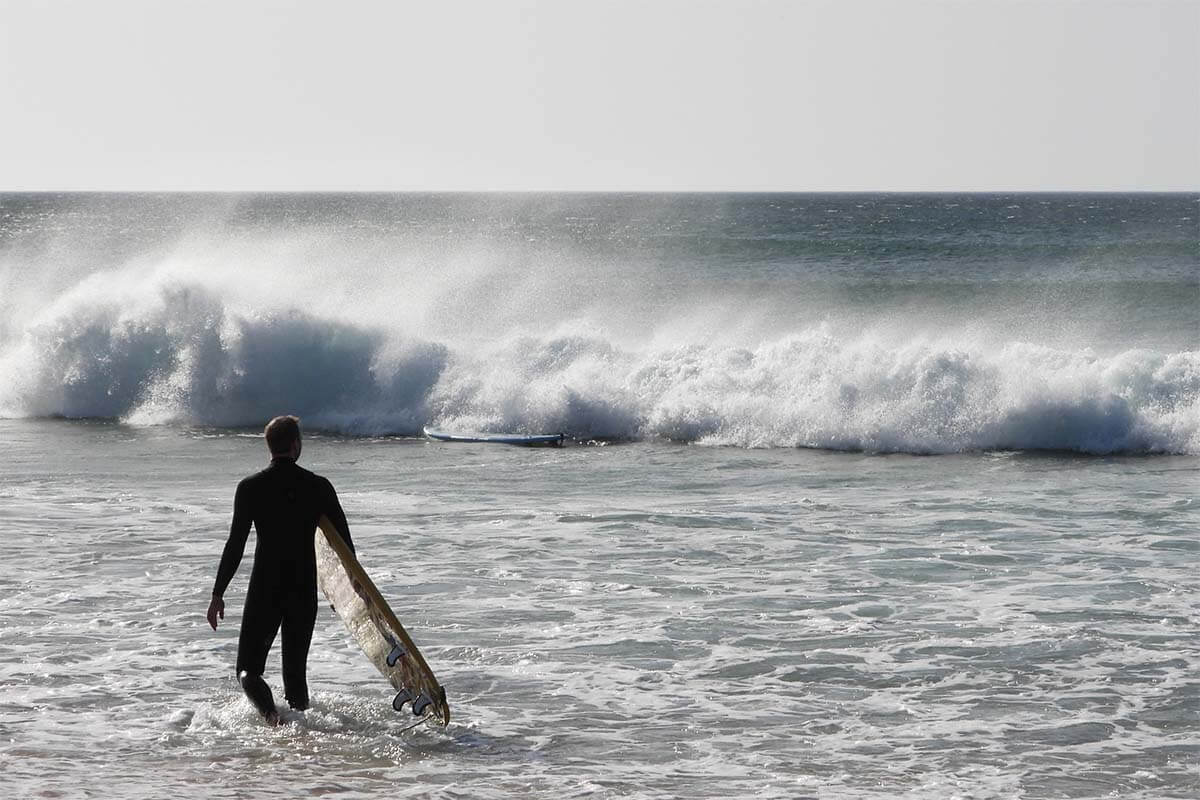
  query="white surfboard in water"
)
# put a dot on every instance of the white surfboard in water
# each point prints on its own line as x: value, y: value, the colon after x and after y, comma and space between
x: 543, y: 439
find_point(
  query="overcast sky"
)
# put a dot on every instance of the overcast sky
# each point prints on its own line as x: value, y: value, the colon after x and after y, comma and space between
x: 600, y: 95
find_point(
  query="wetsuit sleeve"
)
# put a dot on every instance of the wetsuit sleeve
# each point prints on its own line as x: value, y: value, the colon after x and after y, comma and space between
x: 333, y: 510
x: 235, y: 546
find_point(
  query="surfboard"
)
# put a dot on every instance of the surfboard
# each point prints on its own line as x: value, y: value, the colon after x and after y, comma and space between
x: 376, y: 628
x: 541, y: 439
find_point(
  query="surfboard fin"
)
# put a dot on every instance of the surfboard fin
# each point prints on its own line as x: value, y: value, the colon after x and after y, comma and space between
x: 398, y: 652
x: 420, y: 703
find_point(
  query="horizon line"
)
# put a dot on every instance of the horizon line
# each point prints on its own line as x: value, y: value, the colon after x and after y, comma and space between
x: 609, y: 191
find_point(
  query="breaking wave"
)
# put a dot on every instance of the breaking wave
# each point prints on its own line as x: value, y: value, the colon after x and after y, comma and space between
x: 178, y: 353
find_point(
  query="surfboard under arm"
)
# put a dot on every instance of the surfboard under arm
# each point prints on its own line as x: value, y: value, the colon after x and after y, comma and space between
x: 377, y: 628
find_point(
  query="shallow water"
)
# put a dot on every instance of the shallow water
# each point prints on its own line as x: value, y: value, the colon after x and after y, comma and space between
x: 639, y: 620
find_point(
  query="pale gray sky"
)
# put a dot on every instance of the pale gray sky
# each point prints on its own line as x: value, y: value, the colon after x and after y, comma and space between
x: 600, y: 95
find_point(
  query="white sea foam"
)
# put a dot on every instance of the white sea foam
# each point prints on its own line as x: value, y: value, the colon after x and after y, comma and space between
x: 152, y: 347
x: 654, y: 621
x: 216, y: 323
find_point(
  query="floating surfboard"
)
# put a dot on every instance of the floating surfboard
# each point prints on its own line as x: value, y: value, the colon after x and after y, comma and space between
x: 356, y: 600
x: 541, y: 439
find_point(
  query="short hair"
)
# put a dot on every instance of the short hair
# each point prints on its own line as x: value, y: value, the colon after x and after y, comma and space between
x: 281, y: 432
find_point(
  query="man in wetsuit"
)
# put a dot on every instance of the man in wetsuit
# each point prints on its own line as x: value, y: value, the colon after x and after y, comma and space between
x: 284, y: 502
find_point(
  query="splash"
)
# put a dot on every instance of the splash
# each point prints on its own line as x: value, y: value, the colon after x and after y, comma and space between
x: 176, y: 352
x: 609, y: 318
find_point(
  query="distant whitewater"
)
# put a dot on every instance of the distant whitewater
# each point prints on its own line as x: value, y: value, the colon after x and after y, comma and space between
x: 880, y: 324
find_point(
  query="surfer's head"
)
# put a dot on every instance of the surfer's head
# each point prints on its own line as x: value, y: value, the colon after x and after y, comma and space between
x: 283, y: 436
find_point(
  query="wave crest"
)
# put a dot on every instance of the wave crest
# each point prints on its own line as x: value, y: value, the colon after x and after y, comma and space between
x: 180, y: 355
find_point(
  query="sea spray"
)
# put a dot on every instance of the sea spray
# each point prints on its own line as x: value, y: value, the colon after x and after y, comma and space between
x: 923, y: 325
x: 184, y: 357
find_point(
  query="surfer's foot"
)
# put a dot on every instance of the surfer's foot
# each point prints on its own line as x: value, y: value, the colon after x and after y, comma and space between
x: 273, y: 719
x: 296, y: 700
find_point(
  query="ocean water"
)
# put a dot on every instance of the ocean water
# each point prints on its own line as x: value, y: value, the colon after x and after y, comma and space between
x: 866, y: 496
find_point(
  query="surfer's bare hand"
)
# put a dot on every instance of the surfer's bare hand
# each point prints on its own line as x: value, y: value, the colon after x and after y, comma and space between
x: 216, y: 608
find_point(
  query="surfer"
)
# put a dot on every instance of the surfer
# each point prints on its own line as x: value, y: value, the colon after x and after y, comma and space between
x: 284, y: 501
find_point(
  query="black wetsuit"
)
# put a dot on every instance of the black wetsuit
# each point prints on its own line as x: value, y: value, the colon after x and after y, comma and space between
x: 284, y: 502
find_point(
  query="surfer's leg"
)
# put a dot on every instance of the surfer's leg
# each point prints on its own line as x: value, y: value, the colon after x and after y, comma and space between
x: 259, y: 625
x: 298, y: 623
x: 260, y: 695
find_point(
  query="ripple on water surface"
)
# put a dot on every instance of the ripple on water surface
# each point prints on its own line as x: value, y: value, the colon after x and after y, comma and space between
x: 925, y: 633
